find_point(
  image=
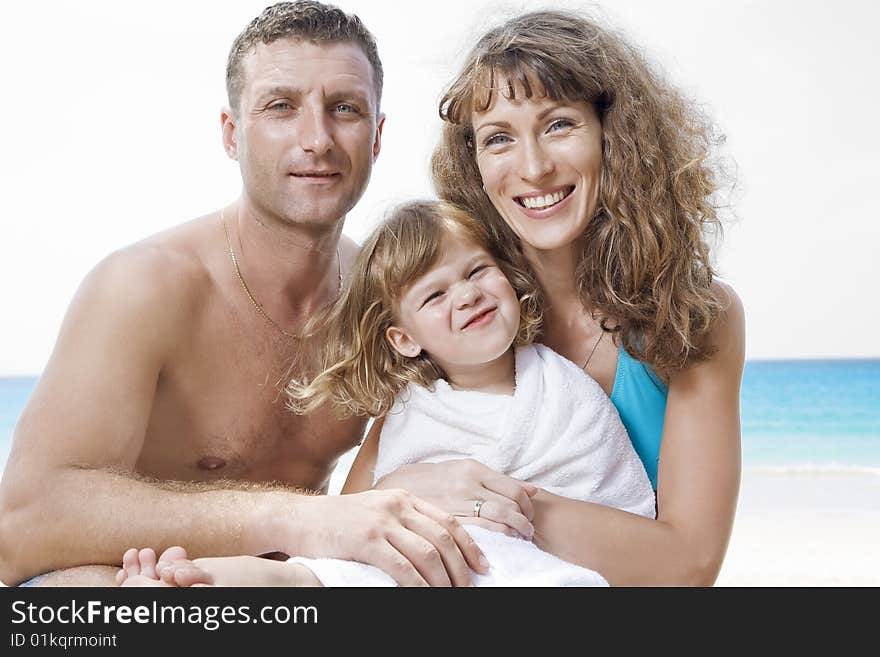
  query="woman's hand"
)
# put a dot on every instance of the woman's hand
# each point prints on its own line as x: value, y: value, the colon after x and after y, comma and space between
x: 456, y: 486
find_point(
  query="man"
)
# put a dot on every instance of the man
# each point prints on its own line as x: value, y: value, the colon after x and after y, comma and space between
x: 161, y: 412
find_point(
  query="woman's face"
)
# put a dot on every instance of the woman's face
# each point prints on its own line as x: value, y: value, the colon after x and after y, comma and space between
x: 541, y: 161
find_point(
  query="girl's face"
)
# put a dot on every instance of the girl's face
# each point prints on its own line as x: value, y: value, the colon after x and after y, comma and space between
x: 541, y: 163
x: 463, y: 311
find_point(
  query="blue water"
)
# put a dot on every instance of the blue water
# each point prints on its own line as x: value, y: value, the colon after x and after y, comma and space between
x: 796, y: 415
x: 820, y: 413
x: 14, y: 393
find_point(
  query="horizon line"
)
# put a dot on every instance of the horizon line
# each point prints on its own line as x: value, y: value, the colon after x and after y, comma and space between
x: 761, y: 359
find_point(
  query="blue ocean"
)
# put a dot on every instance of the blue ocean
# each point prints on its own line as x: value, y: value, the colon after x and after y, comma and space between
x: 797, y: 415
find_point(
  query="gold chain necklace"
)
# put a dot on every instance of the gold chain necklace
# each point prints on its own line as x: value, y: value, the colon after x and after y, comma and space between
x: 251, y: 296
x: 593, y: 350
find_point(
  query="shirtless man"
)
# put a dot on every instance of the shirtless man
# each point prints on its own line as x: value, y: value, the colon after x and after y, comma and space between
x: 164, y: 393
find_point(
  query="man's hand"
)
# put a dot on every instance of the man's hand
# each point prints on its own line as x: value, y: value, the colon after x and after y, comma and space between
x: 413, y: 541
x: 455, y: 486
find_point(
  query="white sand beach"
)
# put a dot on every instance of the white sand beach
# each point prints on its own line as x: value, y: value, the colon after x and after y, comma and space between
x: 806, y: 527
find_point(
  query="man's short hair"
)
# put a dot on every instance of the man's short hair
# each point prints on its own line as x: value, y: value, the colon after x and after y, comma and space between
x: 307, y: 20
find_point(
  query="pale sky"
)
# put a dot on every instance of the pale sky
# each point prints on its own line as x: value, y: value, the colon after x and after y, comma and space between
x: 111, y: 132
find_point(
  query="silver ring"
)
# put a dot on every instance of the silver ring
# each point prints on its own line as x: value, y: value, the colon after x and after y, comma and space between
x: 478, y: 504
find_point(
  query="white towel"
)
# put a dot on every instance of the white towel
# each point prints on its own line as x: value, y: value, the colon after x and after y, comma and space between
x: 559, y: 431
x: 513, y: 562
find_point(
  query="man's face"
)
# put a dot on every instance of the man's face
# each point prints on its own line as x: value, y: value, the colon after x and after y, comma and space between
x: 306, y: 132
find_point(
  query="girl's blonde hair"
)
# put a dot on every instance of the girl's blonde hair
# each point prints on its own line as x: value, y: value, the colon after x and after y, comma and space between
x: 643, y: 260
x: 359, y: 371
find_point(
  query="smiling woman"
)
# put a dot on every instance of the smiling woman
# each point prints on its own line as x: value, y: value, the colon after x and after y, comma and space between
x: 552, y: 103
x: 595, y: 177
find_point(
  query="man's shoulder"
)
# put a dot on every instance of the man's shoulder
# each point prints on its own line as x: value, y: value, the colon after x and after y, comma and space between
x: 181, y: 245
x: 170, y: 266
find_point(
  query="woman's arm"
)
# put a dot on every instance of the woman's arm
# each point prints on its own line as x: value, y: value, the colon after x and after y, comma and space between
x: 698, y: 482
x: 360, y: 477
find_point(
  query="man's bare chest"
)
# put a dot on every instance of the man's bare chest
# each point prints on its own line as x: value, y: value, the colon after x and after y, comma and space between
x: 224, y: 415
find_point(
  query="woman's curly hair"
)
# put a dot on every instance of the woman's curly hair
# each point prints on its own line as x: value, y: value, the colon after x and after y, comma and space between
x: 359, y: 372
x: 644, y: 266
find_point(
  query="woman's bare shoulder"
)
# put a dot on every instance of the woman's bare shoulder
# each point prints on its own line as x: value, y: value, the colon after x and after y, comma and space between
x: 730, y: 325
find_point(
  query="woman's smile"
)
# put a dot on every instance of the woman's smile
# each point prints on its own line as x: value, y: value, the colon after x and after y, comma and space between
x: 546, y: 204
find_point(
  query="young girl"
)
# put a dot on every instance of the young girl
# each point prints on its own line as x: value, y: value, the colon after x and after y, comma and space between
x: 424, y: 336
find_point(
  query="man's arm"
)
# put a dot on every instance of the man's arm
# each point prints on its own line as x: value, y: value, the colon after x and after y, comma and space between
x: 67, y: 496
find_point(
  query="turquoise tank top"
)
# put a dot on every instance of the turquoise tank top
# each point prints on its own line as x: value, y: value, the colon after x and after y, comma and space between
x: 640, y: 398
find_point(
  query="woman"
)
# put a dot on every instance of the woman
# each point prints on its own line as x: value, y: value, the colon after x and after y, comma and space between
x: 592, y: 170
